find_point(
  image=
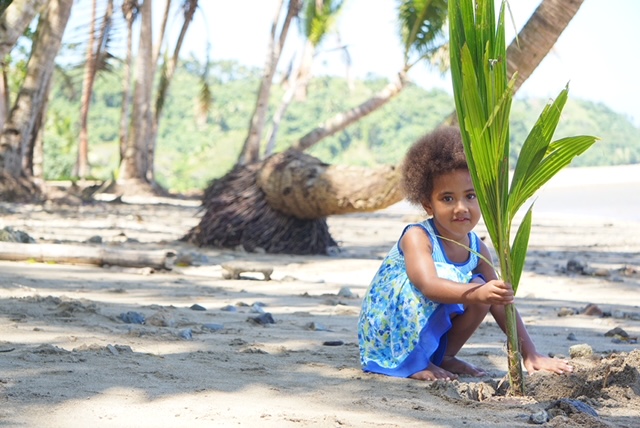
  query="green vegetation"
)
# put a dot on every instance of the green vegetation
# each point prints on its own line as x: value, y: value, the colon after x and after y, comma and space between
x: 192, y: 151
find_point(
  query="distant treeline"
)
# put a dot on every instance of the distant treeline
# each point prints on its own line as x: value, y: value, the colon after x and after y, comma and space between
x: 195, y: 146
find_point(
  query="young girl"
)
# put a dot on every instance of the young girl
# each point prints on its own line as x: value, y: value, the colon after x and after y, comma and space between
x: 431, y: 293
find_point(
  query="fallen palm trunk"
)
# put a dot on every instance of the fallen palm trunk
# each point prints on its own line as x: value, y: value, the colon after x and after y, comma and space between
x: 305, y: 187
x: 280, y: 205
x: 78, y: 254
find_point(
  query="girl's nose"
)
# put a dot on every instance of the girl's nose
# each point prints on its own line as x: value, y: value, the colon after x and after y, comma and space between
x: 462, y: 206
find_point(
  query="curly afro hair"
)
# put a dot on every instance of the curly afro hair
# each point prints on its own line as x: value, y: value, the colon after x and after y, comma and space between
x: 439, y: 152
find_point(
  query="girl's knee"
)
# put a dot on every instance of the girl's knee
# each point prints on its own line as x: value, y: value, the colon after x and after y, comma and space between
x: 478, y: 308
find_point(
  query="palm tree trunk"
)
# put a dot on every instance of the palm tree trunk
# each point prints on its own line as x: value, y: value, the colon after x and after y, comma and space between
x: 15, y: 20
x: 299, y: 77
x: 22, y: 125
x: 82, y: 162
x: 4, y: 95
x: 134, y: 164
x: 538, y: 36
x: 163, y: 27
x: 37, y: 152
x: 342, y: 120
x: 251, y: 149
x: 165, y: 82
x: 129, y: 10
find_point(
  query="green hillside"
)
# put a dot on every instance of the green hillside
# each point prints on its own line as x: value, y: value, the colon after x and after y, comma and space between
x: 193, y: 149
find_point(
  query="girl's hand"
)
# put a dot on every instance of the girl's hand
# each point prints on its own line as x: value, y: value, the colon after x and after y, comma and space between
x: 496, y: 292
x: 539, y: 363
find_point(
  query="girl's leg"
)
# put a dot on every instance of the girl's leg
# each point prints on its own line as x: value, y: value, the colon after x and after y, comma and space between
x: 463, y: 327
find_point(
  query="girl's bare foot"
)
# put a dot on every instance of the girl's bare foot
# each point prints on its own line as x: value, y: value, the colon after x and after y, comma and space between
x: 460, y: 367
x: 433, y: 372
x: 537, y: 363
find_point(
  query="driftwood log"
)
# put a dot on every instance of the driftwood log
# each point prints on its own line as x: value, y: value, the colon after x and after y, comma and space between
x: 233, y: 270
x: 78, y: 254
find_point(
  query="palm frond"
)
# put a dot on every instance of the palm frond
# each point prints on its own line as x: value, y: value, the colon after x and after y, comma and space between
x: 421, y: 26
x: 320, y: 18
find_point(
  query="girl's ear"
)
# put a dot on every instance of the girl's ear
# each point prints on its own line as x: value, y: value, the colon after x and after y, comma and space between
x: 426, y: 204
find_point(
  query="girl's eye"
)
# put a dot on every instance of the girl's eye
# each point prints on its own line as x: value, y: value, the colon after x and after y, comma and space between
x: 447, y: 199
x: 471, y: 196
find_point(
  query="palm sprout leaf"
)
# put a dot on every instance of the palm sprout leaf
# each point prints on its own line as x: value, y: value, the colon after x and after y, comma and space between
x: 483, y: 102
x: 421, y: 25
x: 535, y: 147
x: 519, y: 249
x: 559, y: 155
x: 320, y: 18
x: 487, y: 128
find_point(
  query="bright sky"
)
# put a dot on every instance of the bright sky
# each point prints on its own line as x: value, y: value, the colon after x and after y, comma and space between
x: 595, y: 53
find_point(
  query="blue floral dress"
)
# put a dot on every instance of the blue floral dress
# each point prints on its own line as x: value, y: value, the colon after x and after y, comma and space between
x: 400, y: 331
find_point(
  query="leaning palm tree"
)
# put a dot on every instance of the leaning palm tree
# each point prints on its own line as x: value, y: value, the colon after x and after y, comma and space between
x: 319, y: 19
x: 483, y: 93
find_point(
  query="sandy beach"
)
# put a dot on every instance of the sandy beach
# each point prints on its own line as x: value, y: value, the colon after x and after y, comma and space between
x: 72, y: 353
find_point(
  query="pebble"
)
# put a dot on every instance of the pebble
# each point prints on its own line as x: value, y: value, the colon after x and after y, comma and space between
x: 563, y: 312
x: 113, y: 349
x: 316, y: 326
x: 346, y: 292
x: 229, y: 308
x: 161, y: 318
x: 263, y: 319
x: 576, y: 266
x: 196, y: 307
x: 616, y: 332
x: 257, y: 308
x: 186, y: 334
x: 592, y: 310
x: 582, y: 350
x: 213, y: 326
x: 333, y: 343
x: 95, y: 239
x: 571, y: 406
x: 132, y: 317
x: 572, y: 337
x: 540, y: 417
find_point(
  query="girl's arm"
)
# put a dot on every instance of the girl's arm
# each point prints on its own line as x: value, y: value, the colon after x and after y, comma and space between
x: 421, y: 270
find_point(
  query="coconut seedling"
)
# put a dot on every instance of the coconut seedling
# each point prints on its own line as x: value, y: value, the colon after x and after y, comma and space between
x: 483, y: 94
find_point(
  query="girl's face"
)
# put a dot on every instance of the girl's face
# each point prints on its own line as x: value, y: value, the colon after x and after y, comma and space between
x: 453, y: 204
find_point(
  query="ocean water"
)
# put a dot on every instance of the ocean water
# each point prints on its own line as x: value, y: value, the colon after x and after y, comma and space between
x: 599, y: 193
x: 612, y: 201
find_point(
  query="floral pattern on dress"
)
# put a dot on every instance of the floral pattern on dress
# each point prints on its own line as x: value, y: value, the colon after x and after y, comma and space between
x: 394, y: 312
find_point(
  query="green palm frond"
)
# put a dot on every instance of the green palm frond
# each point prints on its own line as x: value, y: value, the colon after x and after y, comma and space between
x: 320, y: 17
x: 421, y: 26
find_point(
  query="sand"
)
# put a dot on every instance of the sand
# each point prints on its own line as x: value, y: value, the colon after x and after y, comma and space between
x: 67, y: 358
